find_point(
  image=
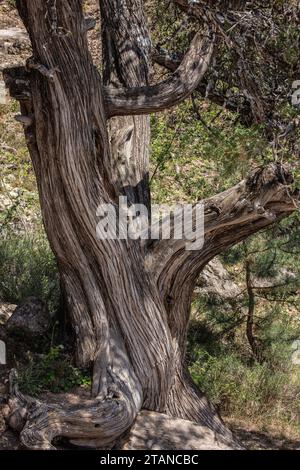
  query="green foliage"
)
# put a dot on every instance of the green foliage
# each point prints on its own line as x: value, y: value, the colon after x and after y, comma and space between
x: 12, y: 3
x: 254, y: 69
x: 194, y: 157
x: 220, y: 359
x: 166, y: 25
x: 28, y: 267
x: 19, y: 202
x: 255, y: 391
x: 51, y: 372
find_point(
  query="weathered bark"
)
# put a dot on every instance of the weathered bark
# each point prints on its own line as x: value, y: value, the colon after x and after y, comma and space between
x: 180, y: 85
x: 70, y: 157
x: 129, y: 301
x: 126, y: 61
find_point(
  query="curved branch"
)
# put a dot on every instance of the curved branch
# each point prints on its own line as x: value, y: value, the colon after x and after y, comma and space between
x: 229, y: 217
x: 87, y: 422
x: 242, y: 107
x: 147, y: 99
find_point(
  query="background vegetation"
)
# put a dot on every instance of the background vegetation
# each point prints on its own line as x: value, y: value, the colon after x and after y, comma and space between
x: 198, y: 149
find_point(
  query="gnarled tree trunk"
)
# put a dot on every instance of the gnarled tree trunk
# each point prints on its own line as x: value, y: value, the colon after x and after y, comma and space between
x: 129, y: 301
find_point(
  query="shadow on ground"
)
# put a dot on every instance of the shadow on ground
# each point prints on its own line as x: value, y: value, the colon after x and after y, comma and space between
x: 257, y: 440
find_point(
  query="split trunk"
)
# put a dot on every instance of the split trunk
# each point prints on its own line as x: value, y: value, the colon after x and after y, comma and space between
x: 128, y: 301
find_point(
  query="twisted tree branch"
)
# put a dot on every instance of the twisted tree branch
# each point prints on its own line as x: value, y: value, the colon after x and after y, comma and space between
x: 147, y: 99
x: 229, y: 217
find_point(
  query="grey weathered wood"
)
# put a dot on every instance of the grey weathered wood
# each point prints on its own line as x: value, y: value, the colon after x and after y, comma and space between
x: 128, y: 302
x: 182, y: 83
x: 126, y: 50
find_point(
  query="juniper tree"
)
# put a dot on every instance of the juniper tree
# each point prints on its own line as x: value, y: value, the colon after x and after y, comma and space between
x: 88, y: 135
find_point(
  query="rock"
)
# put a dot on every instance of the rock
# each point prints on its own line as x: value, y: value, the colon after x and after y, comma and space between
x: 13, y: 34
x: 3, y: 93
x: 216, y: 281
x: 30, y: 319
x: 158, y: 431
x: 6, y: 311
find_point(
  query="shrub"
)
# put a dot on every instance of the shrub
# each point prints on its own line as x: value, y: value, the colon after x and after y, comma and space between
x: 51, y: 372
x: 245, y: 390
x: 28, y: 267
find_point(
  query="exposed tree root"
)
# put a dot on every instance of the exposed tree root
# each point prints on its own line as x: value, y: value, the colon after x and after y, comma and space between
x: 92, y: 423
x: 129, y: 303
x: 39, y: 423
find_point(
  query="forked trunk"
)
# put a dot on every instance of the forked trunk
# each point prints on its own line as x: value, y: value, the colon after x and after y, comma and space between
x: 129, y: 301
